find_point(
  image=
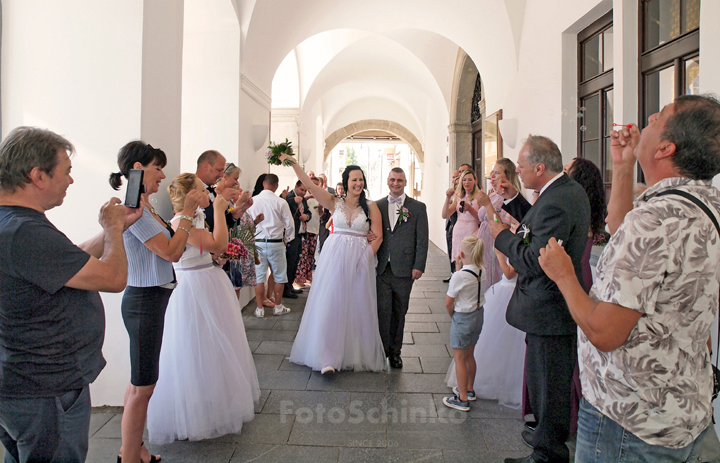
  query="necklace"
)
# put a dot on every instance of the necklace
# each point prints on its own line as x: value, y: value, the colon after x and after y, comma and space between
x: 154, y: 211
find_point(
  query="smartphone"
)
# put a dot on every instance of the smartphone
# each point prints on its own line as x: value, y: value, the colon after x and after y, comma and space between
x: 135, y: 188
x: 462, y: 206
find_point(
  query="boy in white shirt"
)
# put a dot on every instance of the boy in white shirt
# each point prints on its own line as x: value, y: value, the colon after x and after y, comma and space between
x: 464, y: 303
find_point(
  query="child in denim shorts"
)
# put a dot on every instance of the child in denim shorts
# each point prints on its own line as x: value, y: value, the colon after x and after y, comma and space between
x: 464, y: 303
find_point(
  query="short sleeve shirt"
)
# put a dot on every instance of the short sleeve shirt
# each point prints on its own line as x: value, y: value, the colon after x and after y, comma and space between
x: 463, y: 288
x: 51, y: 335
x: 663, y: 262
x: 145, y: 268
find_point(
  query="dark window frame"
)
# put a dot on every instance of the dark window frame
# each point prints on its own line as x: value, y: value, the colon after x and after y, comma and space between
x: 597, y: 85
x: 672, y: 53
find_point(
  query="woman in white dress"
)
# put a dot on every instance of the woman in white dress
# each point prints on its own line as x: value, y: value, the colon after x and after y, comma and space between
x: 339, y: 328
x: 208, y: 383
x: 500, y: 351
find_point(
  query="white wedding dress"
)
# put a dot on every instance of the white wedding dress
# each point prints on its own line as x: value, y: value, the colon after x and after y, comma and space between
x: 500, y: 351
x: 208, y: 384
x: 339, y: 327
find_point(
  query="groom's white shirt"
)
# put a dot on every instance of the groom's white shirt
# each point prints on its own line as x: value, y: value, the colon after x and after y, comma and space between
x: 393, y: 211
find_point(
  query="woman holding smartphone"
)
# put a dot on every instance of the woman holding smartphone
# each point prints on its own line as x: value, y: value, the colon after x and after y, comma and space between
x: 464, y: 200
x: 151, y: 246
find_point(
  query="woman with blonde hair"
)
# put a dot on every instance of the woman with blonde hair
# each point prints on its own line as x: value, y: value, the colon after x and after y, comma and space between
x: 208, y: 383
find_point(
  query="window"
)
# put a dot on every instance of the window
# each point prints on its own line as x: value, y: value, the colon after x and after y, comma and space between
x: 595, y: 95
x: 670, y: 60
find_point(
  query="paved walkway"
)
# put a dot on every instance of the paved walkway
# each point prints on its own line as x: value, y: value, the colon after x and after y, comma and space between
x: 350, y: 417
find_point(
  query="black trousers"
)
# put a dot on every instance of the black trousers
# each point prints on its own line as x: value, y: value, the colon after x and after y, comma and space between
x: 550, y: 364
x: 292, y: 252
x: 448, y: 240
x: 393, y: 294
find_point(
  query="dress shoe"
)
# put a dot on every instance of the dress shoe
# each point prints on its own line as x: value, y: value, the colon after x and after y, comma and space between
x: 289, y: 295
x: 527, y: 438
x: 531, y: 425
x: 395, y: 361
x: 296, y: 291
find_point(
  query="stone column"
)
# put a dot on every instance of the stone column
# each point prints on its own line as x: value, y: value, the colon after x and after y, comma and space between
x: 460, y: 144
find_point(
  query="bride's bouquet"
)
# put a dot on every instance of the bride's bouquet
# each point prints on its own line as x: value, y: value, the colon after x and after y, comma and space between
x: 273, y: 156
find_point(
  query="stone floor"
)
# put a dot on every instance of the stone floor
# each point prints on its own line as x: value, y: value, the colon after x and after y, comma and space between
x: 350, y: 417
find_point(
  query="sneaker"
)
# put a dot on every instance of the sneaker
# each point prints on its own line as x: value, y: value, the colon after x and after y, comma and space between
x: 456, y: 403
x: 281, y: 310
x: 259, y: 312
x: 471, y: 394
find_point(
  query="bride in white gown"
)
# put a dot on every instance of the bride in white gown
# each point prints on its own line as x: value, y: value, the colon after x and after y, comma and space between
x: 208, y: 383
x: 500, y: 351
x: 339, y: 328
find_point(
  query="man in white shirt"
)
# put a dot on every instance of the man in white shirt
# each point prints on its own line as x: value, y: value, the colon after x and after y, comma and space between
x: 276, y: 229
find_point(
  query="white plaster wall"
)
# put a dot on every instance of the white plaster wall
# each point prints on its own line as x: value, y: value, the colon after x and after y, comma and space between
x: 210, y: 81
x: 79, y: 75
x: 286, y: 84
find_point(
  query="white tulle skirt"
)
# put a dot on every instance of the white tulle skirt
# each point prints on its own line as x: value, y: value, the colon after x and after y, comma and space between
x: 208, y: 383
x: 339, y: 327
x: 499, y: 353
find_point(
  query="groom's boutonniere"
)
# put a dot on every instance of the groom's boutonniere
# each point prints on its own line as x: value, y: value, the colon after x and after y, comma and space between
x: 403, y: 215
x: 525, y: 232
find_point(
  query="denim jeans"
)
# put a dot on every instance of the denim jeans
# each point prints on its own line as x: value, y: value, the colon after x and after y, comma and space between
x: 46, y: 429
x: 602, y: 440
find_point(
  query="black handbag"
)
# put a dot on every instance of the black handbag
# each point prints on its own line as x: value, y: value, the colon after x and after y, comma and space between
x: 706, y: 210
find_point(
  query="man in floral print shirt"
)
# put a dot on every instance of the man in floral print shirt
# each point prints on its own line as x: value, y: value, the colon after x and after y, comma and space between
x: 643, y: 331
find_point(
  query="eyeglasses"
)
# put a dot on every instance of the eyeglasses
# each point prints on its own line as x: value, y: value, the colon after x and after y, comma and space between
x: 229, y: 167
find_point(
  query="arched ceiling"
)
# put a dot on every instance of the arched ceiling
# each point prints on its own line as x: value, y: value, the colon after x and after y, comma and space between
x: 483, y: 28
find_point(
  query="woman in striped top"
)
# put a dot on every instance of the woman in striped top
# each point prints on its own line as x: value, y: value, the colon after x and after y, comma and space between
x: 151, y: 248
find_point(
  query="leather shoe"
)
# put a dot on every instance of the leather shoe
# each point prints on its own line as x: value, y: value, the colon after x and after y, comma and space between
x: 527, y: 438
x: 527, y: 459
x: 446, y: 280
x: 296, y: 291
x: 531, y: 425
x: 289, y: 295
x: 395, y: 361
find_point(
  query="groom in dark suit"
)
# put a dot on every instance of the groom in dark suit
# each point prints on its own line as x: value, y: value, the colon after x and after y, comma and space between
x: 401, y: 261
x: 537, y: 307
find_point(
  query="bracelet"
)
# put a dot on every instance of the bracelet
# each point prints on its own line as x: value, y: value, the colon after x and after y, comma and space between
x: 186, y: 217
x: 184, y: 229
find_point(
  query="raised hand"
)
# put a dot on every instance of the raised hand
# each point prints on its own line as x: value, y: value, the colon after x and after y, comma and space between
x: 484, y: 200
x: 298, y: 199
x: 284, y: 193
x: 132, y: 214
x: 220, y: 203
x: 192, y: 201
x: 506, y: 189
x: 450, y: 192
x: 244, y: 197
x: 284, y: 157
x: 555, y: 261
x: 260, y: 217
x: 623, y: 143
x: 112, y: 215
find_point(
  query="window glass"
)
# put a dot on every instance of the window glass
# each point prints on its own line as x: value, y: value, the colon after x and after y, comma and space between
x: 608, y: 161
x: 662, y: 22
x: 692, y: 76
x: 690, y: 15
x: 660, y: 88
x: 591, y: 151
x: 608, y: 49
x: 591, y: 117
x: 592, y: 58
x: 608, y: 112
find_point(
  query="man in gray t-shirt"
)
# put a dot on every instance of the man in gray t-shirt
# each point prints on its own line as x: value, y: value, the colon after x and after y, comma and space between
x: 52, y: 320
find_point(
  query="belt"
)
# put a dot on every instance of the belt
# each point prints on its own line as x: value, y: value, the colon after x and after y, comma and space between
x: 278, y: 240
